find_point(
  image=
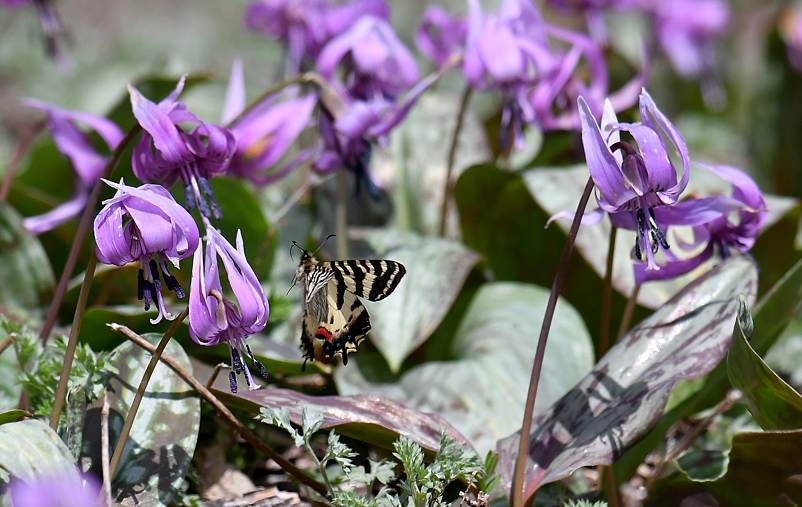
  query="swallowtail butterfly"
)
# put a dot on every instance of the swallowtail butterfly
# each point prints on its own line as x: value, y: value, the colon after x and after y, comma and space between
x: 335, y: 321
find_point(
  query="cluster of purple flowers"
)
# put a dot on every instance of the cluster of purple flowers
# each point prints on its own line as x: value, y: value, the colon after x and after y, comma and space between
x: 368, y: 81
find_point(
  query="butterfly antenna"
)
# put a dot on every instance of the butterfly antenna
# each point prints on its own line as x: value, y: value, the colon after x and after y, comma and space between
x: 324, y: 242
x: 294, y: 281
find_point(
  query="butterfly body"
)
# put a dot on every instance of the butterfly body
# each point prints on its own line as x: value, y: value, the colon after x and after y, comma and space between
x: 335, y: 321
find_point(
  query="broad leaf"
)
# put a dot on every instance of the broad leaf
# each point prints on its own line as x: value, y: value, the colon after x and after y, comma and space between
x: 162, y: 440
x: 436, y: 272
x: 24, y: 268
x: 368, y: 418
x: 30, y: 449
x: 627, y: 390
x: 13, y: 415
x: 483, y: 392
x: 774, y: 404
x: 763, y: 470
x: 558, y: 190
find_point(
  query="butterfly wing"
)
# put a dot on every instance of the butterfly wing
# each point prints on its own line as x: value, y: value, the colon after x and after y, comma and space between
x: 371, y: 279
x: 335, y: 323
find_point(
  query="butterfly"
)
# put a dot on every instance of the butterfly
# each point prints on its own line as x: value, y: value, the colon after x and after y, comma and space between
x: 335, y: 321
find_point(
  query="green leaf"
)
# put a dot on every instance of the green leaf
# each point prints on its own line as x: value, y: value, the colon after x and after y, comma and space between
x: 625, y: 394
x: 24, y: 267
x: 436, y: 272
x: 482, y: 392
x: 13, y: 415
x: 774, y: 404
x: 30, y: 449
x: 163, y: 437
x: 763, y: 470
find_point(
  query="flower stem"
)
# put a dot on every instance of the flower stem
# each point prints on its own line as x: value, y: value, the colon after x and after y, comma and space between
x: 224, y: 412
x: 22, y: 147
x: 140, y: 391
x: 11, y: 338
x: 448, y: 187
x: 72, y: 343
x: 628, y: 311
x: 80, y: 235
x: 320, y: 467
x: 556, y: 288
x: 607, y: 297
x: 104, y: 447
x: 341, y: 215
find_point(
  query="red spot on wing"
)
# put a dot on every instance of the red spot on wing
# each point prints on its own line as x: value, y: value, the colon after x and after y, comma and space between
x: 323, y: 334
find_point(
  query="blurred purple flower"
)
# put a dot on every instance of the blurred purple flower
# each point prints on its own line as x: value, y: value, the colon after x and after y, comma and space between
x: 721, y: 223
x: 790, y: 27
x: 167, y: 152
x: 265, y: 134
x: 213, y: 317
x: 376, y: 62
x: 348, y: 127
x: 305, y: 26
x: 441, y: 35
x: 66, y: 491
x: 87, y: 163
x: 13, y: 3
x: 635, y: 180
x: 687, y: 29
x: 145, y: 224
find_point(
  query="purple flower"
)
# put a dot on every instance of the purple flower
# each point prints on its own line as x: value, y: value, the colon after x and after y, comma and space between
x: 213, y: 317
x: 166, y: 152
x: 65, y: 490
x: 265, y: 134
x: 720, y: 223
x: 376, y: 62
x: 305, y: 26
x: 441, y: 35
x: 635, y: 179
x: 145, y: 224
x: 87, y: 163
x: 686, y: 30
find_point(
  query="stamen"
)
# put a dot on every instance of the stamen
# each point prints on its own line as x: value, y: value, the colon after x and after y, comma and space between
x: 236, y: 361
x: 140, y: 285
x: 206, y: 188
x: 232, y: 381
x: 256, y: 363
x: 639, y: 236
x: 172, y: 281
x: 189, y: 197
x: 661, y: 237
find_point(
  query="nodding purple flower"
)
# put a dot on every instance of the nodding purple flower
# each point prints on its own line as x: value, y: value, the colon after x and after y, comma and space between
x: 214, y: 317
x: 305, y: 26
x: 441, y: 35
x: 635, y: 177
x: 348, y: 127
x: 146, y: 225
x: 88, y: 164
x: 720, y: 223
x: 167, y: 152
x: 265, y: 134
x: 376, y: 63
x: 55, y: 490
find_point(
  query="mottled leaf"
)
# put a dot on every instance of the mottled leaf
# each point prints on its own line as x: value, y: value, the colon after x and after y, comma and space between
x: 763, y: 470
x: 10, y: 387
x: 436, y: 272
x: 774, y: 404
x: 482, y: 392
x: 627, y: 390
x: 30, y: 449
x: 558, y: 189
x: 24, y: 267
x: 165, y: 431
x: 369, y: 418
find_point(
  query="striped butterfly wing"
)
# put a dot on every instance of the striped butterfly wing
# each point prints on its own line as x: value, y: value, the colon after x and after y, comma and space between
x: 335, y: 323
x: 370, y: 279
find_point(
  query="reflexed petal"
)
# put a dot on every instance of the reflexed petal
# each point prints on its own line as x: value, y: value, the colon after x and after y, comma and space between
x: 652, y: 117
x: 673, y: 268
x: 338, y: 47
x: 694, y: 212
x: 163, y: 131
x: 249, y: 293
x: 58, y: 215
x: 499, y: 52
x: 440, y: 35
x: 602, y: 164
x: 235, y: 94
x: 661, y: 174
x: 203, y: 325
x: 472, y: 61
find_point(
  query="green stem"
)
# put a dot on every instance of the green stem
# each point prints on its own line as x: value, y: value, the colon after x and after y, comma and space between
x: 607, y: 296
x: 320, y: 467
x: 22, y: 147
x: 140, y: 392
x: 448, y: 187
x: 72, y: 343
x: 626, y: 319
x: 80, y: 235
x: 556, y: 288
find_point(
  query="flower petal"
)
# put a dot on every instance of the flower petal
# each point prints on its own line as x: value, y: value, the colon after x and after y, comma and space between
x: 235, y: 94
x: 164, y: 133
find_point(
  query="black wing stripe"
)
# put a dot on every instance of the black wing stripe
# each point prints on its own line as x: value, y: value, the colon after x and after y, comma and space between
x: 358, y: 272
x: 378, y: 282
x: 338, y: 276
x: 388, y: 281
